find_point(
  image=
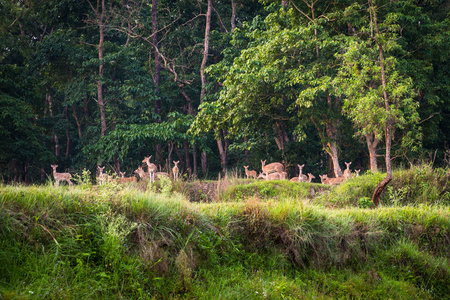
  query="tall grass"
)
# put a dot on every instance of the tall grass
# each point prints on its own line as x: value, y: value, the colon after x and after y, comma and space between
x: 112, y: 242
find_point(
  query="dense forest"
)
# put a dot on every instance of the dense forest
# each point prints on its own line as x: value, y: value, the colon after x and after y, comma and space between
x: 218, y: 85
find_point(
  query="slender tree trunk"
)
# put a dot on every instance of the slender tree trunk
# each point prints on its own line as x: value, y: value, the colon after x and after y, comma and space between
x: 55, y: 136
x: 74, y: 114
x: 186, y: 155
x: 194, y: 159
x: 223, y: 155
x: 233, y: 15
x: 67, y: 133
x: 372, y: 143
x: 202, y: 73
x: 157, y: 76
x: 388, y: 132
x: 100, y: 99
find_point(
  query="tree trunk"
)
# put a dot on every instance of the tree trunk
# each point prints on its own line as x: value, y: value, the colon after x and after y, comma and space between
x: 194, y: 158
x: 388, y: 132
x: 202, y: 72
x: 100, y: 100
x: 223, y: 156
x: 204, y: 163
x: 186, y: 155
x: 67, y: 132
x: 372, y: 143
x: 332, y: 150
x: 50, y: 109
x: 74, y: 114
x: 233, y: 15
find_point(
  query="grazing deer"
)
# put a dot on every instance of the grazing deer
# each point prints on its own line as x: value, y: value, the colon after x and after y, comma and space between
x: 123, y: 179
x: 102, y: 178
x: 175, y: 170
x: 357, y: 172
x: 61, y: 176
x: 152, y: 168
x: 271, y: 176
x: 250, y: 173
x: 271, y: 168
x: 347, y: 172
x: 310, y: 177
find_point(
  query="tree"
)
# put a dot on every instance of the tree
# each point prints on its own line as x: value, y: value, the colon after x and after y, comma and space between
x: 379, y: 98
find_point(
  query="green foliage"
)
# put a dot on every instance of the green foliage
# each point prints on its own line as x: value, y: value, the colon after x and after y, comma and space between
x: 365, y: 202
x: 75, y: 242
x: 84, y: 180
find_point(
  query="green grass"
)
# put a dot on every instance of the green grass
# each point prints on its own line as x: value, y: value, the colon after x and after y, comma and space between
x: 255, y: 240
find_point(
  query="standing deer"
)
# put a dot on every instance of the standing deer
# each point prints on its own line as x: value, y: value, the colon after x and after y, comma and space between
x: 271, y: 168
x: 357, y: 172
x: 347, y: 172
x: 301, y: 177
x: 250, y: 173
x: 175, y: 170
x: 152, y: 168
x: 271, y: 176
x: 61, y: 176
x: 102, y: 178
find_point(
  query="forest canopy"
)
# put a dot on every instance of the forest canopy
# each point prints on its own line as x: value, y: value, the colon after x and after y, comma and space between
x: 222, y: 84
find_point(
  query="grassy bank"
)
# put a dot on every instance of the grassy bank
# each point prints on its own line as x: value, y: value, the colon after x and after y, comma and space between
x: 113, y: 242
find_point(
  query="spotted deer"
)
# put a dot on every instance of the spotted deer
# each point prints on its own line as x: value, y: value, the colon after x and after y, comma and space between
x: 347, y: 172
x: 61, y: 176
x: 152, y: 168
x: 123, y: 179
x: 271, y: 176
x: 271, y: 168
x: 175, y: 170
x: 250, y: 173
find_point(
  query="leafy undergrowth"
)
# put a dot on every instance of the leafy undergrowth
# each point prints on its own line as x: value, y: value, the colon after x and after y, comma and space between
x: 110, y: 242
x: 417, y: 185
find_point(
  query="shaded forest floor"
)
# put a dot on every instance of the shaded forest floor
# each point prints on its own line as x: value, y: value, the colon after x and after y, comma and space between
x: 232, y: 239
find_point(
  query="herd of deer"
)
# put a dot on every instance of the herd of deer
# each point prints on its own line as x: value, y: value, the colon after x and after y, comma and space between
x: 275, y: 171
x: 102, y: 178
x: 272, y: 171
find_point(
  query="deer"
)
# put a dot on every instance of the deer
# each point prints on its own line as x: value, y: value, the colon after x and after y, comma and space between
x: 152, y: 168
x: 271, y: 168
x: 271, y: 176
x: 61, y: 176
x: 250, y: 173
x: 334, y: 181
x: 357, y: 172
x: 310, y: 177
x: 142, y: 174
x: 347, y: 172
x: 301, y: 177
x: 324, y: 179
x: 123, y: 179
x: 102, y: 178
x: 175, y: 170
